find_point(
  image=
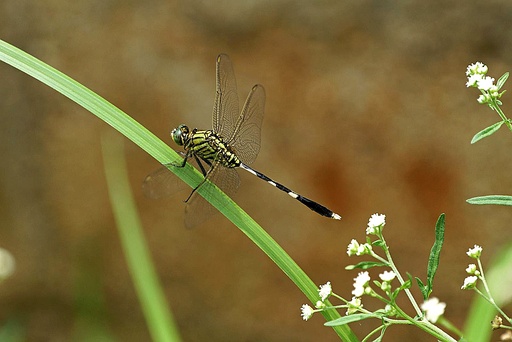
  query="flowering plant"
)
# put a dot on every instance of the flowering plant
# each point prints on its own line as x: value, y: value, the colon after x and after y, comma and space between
x: 428, y: 315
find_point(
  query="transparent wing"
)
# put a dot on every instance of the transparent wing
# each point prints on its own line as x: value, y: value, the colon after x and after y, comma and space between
x: 162, y: 183
x: 246, y: 137
x: 199, y: 209
x: 226, y: 106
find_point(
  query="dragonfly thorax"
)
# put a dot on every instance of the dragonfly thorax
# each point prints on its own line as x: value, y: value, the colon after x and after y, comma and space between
x: 205, y: 144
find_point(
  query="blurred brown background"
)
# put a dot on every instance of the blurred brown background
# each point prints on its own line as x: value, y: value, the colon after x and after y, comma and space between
x: 367, y: 111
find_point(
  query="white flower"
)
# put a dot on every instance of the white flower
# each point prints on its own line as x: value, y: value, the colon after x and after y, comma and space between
x: 474, y: 252
x: 433, y: 309
x: 376, y: 222
x: 469, y: 282
x: 354, y: 305
x: 325, y: 291
x: 360, y: 283
x: 476, y: 68
x: 484, y: 98
x: 485, y: 83
x: 7, y: 264
x: 365, y: 248
x: 471, y: 269
x: 387, y: 276
x: 473, y: 80
x: 307, y: 312
x: 352, y: 247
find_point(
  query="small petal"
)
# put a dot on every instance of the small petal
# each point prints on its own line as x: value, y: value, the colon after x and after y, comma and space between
x: 496, y: 322
x: 471, y: 269
x: 364, y: 249
x: 387, y: 276
x: 485, y: 83
x: 476, y: 68
x: 307, y: 312
x: 473, y: 80
x: 354, y: 305
x: 474, y: 252
x: 376, y: 222
x: 469, y: 282
x: 361, y: 281
x: 433, y: 309
x: 325, y: 291
x: 484, y: 98
x: 352, y: 247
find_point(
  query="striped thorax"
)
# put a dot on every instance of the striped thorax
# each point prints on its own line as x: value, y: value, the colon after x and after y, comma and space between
x: 206, y: 145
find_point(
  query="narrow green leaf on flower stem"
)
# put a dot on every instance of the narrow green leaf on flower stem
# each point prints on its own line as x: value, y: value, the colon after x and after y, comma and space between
x: 423, y: 287
x: 487, y: 132
x: 350, y: 319
x: 164, y: 154
x: 435, y: 252
x: 501, y: 81
x: 160, y: 321
x: 491, y: 199
x: 364, y: 265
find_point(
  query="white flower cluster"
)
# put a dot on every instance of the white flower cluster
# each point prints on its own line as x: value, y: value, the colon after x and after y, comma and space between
x: 472, y: 269
x: 324, y: 292
x: 477, y: 78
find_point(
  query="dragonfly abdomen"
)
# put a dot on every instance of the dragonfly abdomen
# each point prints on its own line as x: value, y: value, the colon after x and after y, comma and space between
x: 316, y: 207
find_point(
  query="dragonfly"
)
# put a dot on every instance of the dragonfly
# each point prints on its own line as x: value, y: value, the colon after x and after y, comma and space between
x: 232, y: 143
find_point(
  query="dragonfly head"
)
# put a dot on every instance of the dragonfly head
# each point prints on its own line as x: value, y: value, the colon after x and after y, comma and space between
x: 180, y: 134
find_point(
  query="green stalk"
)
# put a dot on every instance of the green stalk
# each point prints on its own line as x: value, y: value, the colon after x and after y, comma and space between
x: 161, y: 324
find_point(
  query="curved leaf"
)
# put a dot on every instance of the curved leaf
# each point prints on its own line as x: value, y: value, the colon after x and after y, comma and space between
x: 487, y: 131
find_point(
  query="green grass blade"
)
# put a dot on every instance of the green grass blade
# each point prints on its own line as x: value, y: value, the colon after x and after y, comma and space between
x: 151, y: 296
x: 161, y: 152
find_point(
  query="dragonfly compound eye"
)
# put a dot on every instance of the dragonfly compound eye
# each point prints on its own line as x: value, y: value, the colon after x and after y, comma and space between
x: 179, y: 134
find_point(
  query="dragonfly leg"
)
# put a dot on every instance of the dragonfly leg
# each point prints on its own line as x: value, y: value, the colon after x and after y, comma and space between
x: 185, y: 157
x: 202, y: 182
x: 203, y: 171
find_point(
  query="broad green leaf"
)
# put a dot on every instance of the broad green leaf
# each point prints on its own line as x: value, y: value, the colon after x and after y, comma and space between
x: 487, y: 131
x: 491, y: 199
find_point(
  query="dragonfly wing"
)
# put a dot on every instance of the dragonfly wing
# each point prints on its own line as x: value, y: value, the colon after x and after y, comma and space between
x: 162, y: 183
x: 246, y: 136
x: 198, y: 209
x: 226, y: 106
